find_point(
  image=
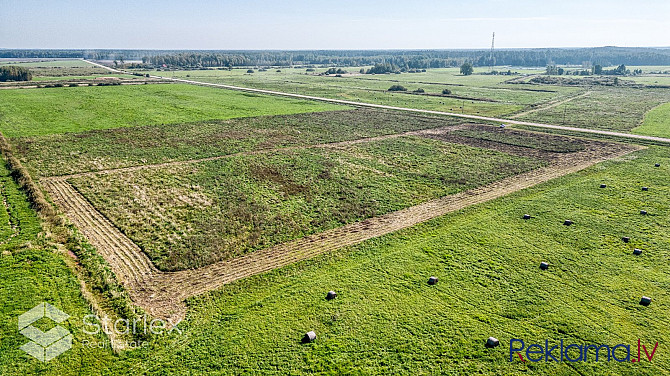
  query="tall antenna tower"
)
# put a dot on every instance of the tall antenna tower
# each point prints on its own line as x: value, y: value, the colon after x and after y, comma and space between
x: 493, y: 40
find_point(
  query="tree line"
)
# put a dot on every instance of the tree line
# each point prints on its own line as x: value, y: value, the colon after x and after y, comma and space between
x: 402, y: 59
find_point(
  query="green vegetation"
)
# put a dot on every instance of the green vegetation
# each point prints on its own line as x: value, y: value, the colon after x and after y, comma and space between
x: 14, y: 73
x: 467, y: 68
x: 193, y: 215
x: 31, y: 272
x: 61, y: 154
x: 61, y: 110
x: 619, y: 109
x: 524, y: 139
x: 387, y: 320
x: 656, y: 122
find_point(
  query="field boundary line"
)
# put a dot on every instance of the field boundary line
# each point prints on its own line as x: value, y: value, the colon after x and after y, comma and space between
x: 551, y: 104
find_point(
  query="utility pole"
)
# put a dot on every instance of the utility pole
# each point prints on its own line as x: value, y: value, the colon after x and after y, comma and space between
x: 493, y: 39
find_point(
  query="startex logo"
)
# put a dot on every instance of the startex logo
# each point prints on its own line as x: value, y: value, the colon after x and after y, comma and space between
x: 561, y: 352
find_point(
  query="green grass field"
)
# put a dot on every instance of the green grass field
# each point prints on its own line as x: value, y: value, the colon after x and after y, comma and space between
x: 619, y: 109
x: 386, y: 319
x: 192, y: 215
x: 476, y: 94
x: 61, y: 110
x: 656, y: 122
x: 67, y: 153
x: 31, y: 272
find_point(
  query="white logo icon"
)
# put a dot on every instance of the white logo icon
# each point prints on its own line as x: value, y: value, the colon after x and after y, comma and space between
x: 45, y: 345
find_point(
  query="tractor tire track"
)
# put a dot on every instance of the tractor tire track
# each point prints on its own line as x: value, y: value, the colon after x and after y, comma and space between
x: 550, y: 105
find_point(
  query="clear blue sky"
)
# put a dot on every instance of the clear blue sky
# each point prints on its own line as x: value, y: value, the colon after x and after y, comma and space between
x: 316, y: 24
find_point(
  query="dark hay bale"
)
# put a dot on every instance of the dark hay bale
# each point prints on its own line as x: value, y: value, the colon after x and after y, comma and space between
x: 568, y: 222
x: 603, y: 185
x: 625, y: 239
x: 526, y: 216
x: 643, y: 212
x: 492, y: 342
x: 331, y: 295
x: 637, y: 251
x: 658, y: 165
x: 309, y: 337
x: 645, y: 188
x: 544, y: 265
x: 432, y: 280
x: 645, y: 301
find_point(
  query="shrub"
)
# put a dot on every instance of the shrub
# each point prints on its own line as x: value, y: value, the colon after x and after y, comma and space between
x: 14, y: 73
x: 397, y: 88
x: 250, y: 71
x: 419, y: 90
x: 446, y: 91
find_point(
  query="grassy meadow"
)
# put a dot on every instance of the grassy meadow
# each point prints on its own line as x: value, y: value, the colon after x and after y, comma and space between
x: 67, y: 153
x: 387, y: 320
x: 192, y: 215
x: 656, y: 122
x: 45, y: 111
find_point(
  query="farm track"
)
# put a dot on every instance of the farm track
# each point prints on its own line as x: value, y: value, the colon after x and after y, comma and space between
x: 162, y: 294
x: 551, y: 104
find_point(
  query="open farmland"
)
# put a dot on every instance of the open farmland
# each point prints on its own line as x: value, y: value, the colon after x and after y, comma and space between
x: 77, y: 109
x: 656, y: 122
x: 77, y: 152
x: 236, y: 212
x: 188, y: 216
x: 482, y: 95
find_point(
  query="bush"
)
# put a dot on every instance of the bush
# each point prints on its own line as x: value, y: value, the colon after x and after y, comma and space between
x: 73, y: 85
x: 250, y: 71
x: 446, y: 91
x: 419, y: 90
x: 309, y: 70
x: 14, y: 73
x: 397, y: 88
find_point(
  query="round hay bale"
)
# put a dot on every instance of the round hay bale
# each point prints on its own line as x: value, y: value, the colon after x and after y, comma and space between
x: 568, y: 222
x: 492, y: 342
x: 625, y: 239
x: 643, y: 212
x: 526, y: 216
x: 544, y: 265
x: 645, y: 301
x: 309, y: 337
x: 645, y: 188
x: 603, y: 185
x: 637, y: 251
x: 657, y: 165
x: 432, y: 280
x: 331, y: 295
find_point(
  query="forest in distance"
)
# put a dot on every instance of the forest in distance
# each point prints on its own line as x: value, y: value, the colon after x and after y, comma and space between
x: 412, y: 59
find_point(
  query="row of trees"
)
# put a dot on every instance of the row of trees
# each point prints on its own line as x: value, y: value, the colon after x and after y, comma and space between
x: 411, y: 60
x: 15, y: 73
x: 597, y: 69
